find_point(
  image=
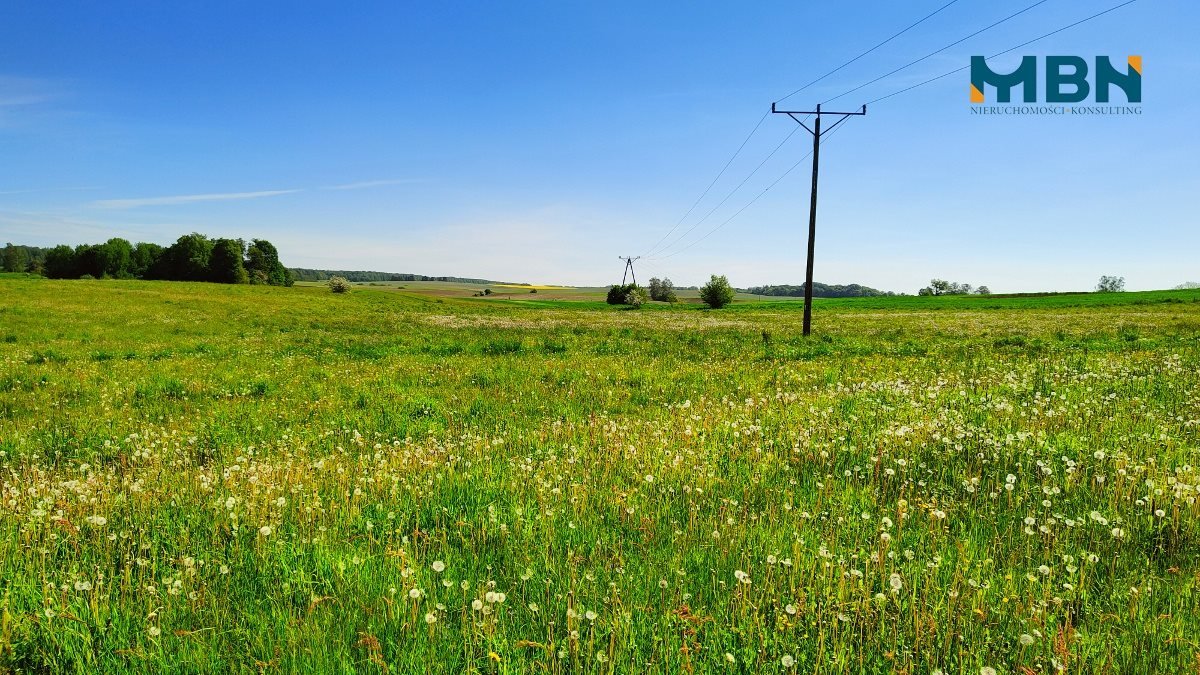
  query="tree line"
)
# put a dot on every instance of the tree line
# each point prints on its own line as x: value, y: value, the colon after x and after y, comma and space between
x: 359, y: 276
x: 193, y: 257
x: 943, y: 287
x: 819, y: 290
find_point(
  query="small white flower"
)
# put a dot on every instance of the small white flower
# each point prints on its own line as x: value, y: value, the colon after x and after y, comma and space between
x: 438, y: 566
x: 476, y: 604
x: 1026, y: 639
x: 430, y: 618
x: 154, y: 631
x: 787, y: 661
x: 265, y: 530
x: 415, y: 594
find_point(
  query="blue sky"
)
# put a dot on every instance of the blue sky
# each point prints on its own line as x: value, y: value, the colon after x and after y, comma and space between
x: 537, y: 141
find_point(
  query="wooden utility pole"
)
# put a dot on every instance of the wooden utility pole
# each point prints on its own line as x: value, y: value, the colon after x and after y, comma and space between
x: 812, y: 207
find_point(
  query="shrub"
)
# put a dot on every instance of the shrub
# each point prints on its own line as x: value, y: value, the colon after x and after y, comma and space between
x: 338, y: 285
x: 629, y: 294
x: 717, y: 292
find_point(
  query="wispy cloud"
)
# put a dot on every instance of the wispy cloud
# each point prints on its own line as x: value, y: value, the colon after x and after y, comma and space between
x: 371, y: 184
x: 21, y: 95
x: 186, y: 199
x: 51, y: 189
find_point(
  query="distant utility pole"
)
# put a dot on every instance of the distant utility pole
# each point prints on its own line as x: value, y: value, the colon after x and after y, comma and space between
x: 812, y: 209
x: 629, y: 268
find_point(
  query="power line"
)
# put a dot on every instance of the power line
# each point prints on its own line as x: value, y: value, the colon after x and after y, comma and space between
x: 737, y: 152
x: 732, y: 192
x: 939, y: 51
x: 1010, y: 49
x: 710, y: 185
x: 893, y: 37
x: 881, y: 98
x: 750, y: 203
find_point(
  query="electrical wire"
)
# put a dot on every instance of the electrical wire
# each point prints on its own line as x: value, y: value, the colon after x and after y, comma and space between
x: 732, y: 192
x: 871, y: 102
x: 939, y: 51
x: 893, y: 37
x: 737, y: 152
x: 710, y: 185
x: 1006, y: 51
x: 752, y: 201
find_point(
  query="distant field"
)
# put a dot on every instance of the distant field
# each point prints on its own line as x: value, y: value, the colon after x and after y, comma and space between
x: 520, y: 292
x: 208, y: 478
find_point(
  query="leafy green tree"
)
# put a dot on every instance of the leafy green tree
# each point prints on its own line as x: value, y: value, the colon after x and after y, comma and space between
x: 89, y: 261
x: 226, y: 265
x: 263, y: 266
x: 16, y: 258
x: 143, y: 259
x: 187, y: 259
x: 114, y: 256
x: 60, y: 263
x: 1109, y: 284
x: 662, y: 290
x: 717, y: 292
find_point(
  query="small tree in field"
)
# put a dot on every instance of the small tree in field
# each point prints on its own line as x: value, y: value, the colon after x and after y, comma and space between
x: 1110, y: 284
x: 717, y: 292
x: 662, y: 290
x: 339, y: 285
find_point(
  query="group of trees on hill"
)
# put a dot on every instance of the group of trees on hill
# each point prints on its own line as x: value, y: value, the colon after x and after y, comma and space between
x: 303, y: 274
x: 193, y: 257
x: 819, y: 290
x: 943, y: 287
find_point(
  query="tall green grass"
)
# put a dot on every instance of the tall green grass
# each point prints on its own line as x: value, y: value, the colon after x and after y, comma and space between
x: 201, y: 478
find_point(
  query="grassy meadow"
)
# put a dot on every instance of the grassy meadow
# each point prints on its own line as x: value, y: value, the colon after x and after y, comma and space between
x: 209, y: 478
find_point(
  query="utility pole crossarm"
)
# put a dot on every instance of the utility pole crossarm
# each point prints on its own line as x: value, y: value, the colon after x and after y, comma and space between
x: 792, y: 114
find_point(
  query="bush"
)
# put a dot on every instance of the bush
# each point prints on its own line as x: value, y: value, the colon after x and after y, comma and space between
x: 629, y: 294
x: 338, y: 285
x: 717, y: 292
